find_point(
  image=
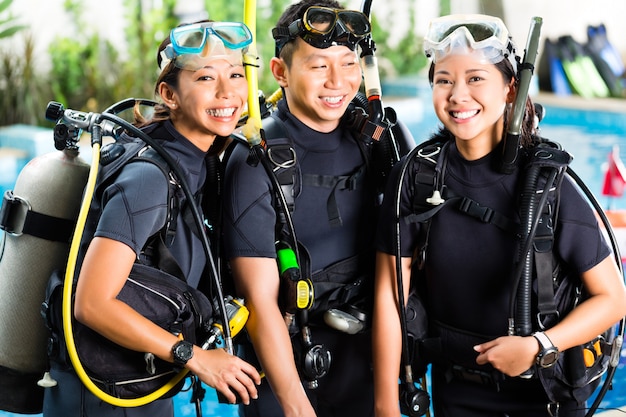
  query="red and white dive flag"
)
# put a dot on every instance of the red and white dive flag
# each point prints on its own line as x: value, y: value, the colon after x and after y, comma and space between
x: 615, y: 176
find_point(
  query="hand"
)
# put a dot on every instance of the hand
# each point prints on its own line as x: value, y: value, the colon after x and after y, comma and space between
x: 511, y: 355
x: 228, y: 374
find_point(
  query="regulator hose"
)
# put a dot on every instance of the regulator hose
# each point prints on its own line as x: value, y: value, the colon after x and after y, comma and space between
x: 618, y: 261
x: 414, y: 402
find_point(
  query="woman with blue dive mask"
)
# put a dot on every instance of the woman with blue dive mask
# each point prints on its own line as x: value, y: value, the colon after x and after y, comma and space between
x: 203, y: 92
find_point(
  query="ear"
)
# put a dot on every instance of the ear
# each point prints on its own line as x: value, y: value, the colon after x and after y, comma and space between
x: 168, y: 95
x: 279, y: 70
x: 510, y: 96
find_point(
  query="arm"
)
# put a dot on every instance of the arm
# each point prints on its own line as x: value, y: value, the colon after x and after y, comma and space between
x: 257, y: 281
x: 605, y: 307
x: 386, y: 333
x: 102, y: 276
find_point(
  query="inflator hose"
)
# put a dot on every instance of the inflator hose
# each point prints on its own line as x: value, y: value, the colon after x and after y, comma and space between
x: 373, y: 91
x: 528, y: 206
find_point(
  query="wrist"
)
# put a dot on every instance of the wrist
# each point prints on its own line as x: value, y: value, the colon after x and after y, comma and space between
x: 548, y: 353
x: 182, y: 352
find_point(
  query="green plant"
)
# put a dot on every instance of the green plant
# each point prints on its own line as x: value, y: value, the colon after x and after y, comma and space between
x: 22, y: 91
x: 8, y: 26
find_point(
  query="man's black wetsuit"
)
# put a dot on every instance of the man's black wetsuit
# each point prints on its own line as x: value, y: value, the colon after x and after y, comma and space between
x: 249, y: 231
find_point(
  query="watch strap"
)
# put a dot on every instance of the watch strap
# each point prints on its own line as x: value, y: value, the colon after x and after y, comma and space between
x: 544, y: 340
x: 182, y: 351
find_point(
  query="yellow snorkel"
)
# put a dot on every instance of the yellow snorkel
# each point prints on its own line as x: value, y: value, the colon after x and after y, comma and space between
x: 252, y: 129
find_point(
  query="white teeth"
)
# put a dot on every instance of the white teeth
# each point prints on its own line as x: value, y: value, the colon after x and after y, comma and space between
x: 221, y: 112
x: 464, y: 114
x: 333, y: 100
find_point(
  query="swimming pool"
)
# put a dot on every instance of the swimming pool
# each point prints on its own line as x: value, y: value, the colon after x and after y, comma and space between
x: 588, y: 134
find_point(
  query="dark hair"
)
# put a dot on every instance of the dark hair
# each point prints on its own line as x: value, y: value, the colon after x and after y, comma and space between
x: 295, y: 12
x: 528, y: 128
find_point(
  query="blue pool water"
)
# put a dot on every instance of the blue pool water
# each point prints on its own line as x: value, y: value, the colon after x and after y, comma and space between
x: 588, y: 135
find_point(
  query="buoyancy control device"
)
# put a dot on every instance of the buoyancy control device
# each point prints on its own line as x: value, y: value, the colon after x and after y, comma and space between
x: 48, y: 204
x: 538, y: 274
x: 37, y: 218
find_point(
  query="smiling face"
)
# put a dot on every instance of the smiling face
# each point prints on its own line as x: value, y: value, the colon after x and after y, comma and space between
x: 319, y: 84
x: 469, y: 97
x: 207, y: 102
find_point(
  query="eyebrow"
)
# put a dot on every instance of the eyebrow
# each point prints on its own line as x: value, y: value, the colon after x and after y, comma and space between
x: 318, y: 55
x: 468, y: 71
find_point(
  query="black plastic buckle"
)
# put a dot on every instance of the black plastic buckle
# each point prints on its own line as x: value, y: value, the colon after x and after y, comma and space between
x: 13, y: 213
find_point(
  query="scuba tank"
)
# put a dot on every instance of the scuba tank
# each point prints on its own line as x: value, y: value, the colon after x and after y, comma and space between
x: 37, y: 217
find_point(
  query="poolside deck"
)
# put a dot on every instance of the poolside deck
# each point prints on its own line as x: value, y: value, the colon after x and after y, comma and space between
x: 577, y: 102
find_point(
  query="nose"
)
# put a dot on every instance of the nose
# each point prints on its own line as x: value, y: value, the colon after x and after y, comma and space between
x: 225, y: 88
x: 335, y: 77
x: 459, y: 92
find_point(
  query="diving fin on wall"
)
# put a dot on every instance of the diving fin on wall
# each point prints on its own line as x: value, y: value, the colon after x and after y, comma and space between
x: 581, y: 72
x: 551, y: 75
x: 606, y: 59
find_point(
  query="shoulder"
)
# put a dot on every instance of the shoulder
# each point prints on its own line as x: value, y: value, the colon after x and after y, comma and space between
x: 139, y: 180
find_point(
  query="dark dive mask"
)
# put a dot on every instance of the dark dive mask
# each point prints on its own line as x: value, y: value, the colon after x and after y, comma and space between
x: 323, y: 27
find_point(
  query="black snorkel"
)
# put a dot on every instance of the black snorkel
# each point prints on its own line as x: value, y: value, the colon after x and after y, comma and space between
x: 526, y: 69
x: 376, y: 126
x: 414, y: 402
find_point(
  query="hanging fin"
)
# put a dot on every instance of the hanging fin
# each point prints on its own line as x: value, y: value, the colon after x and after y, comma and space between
x: 580, y: 69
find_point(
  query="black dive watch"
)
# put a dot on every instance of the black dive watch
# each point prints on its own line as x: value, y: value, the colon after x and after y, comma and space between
x: 548, y: 353
x: 182, y: 352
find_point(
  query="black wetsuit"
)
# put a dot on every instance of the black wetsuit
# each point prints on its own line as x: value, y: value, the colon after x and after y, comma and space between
x: 135, y: 208
x: 249, y: 231
x: 468, y: 280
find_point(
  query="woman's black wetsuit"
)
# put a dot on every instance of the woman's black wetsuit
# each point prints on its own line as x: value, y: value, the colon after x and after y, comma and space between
x: 468, y: 280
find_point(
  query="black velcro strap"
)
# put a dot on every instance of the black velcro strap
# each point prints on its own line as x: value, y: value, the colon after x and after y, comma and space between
x: 545, y: 290
x: 339, y: 182
x: 48, y: 227
x: 17, y: 217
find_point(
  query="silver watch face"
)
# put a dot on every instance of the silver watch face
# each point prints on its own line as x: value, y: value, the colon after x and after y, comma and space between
x: 548, y: 358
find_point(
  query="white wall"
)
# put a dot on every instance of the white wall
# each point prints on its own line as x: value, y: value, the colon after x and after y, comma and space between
x: 568, y: 17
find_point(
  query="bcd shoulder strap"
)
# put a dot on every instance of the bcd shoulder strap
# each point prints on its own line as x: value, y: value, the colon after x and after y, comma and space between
x: 114, y: 158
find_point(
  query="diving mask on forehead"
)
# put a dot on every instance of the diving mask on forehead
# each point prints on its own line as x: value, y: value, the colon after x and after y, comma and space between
x: 193, y: 46
x: 484, y: 36
x: 323, y: 27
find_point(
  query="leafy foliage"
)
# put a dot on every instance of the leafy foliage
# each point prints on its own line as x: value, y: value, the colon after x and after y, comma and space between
x: 90, y: 73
